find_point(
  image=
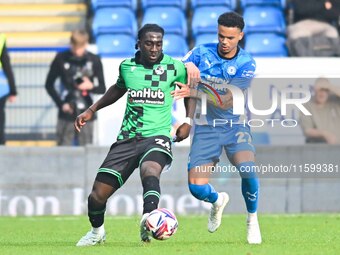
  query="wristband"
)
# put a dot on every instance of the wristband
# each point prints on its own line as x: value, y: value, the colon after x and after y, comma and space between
x: 91, y: 110
x: 188, y: 120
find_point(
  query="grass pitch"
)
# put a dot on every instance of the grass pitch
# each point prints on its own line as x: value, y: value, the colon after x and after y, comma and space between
x: 282, y: 234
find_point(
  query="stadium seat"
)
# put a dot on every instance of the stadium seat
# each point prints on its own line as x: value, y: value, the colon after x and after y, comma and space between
x: 205, y: 19
x: 182, y: 4
x: 115, y: 45
x: 175, y: 45
x: 266, y: 45
x: 131, y: 4
x: 170, y: 18
x: 206, y: 38
x: 232, y: 4
x: 277, y: 3
x: 264, y: 19
x: 259, y: 138
x: 114, y: 20
x: 10, y: 24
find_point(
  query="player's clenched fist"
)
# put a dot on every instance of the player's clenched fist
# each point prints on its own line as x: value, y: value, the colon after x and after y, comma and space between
x: 83, y: 118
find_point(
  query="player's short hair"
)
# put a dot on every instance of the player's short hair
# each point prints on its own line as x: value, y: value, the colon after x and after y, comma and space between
x: 231, y: 19
x: 149, y: 28
x: 79, y: 38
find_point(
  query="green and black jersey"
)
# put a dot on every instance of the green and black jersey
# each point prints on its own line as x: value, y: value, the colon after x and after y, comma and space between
x: 149, y: 102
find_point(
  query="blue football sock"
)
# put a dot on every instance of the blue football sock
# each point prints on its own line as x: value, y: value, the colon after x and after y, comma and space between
x: 250, y: 185
x: 203, y: 192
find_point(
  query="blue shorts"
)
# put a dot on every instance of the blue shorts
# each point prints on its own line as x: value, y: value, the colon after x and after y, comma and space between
x: 208, y: 142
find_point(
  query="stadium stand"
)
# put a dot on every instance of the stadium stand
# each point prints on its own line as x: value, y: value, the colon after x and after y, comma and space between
x: 78, y: 9
x: 35, y: 30
x: 43, y: 1
x: 204, y: 19
x: 131, y: 4
x: 43, y: 39
x: 264, y: 19
x: 172, y: 19
x: 115, y: 45
x: 277, y: 3
x: 266, y: 45
x: 175, y: 45
x: 114, y: 20
x: 206, y: 38
x: 35, y: 24
x: 232, y: 4
x: 41, y: 23
x: 265, y: 30
x: 182, y: 4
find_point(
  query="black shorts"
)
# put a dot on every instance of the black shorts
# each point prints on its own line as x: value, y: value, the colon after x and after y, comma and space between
x: 126, y: 155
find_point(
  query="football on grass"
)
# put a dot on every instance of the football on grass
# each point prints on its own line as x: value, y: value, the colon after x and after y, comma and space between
x: 161, y: 223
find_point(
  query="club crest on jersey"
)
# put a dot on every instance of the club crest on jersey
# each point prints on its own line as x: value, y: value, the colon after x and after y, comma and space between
x: 146, y: 96
x: 159, y: 70
x: 231, y: 70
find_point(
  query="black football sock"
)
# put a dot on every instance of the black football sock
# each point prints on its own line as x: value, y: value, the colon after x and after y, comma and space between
x: 151, y: 193
x: 96, y: 212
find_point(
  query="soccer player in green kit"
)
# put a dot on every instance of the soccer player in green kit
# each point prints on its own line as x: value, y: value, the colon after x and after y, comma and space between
x: 144, y: 138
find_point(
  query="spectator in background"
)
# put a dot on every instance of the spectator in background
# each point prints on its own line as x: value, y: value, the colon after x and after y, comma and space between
x: 314, y: 32
x: 324, y: 123
x: 7, y: 85
x: 81, y: 74
x: 326, y: 11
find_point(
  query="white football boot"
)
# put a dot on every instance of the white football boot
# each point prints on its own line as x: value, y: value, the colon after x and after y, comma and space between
x: 253, y: 230
x: 92, y: 238
x: 215, y: 217
x: 144, y: 234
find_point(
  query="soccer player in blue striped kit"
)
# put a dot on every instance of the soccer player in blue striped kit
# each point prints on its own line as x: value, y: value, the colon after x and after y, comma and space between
x: 220, y: 64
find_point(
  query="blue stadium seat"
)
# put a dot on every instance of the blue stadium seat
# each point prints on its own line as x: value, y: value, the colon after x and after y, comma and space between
x: 277, y: 3
x: 114, y: 20
x: 170, y: 18
x: 182, y: 4
x: 266, y: 45
x: 264, y: 19
x: 131, y: 4
x: 232, y: 4
x: 205, y: 19
x: 175, y: 45
x: 206, y: 38
x: 260, y: 138
x: 116, y: 45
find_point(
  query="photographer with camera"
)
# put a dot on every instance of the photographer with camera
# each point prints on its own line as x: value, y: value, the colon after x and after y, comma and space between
x: 81, y: 75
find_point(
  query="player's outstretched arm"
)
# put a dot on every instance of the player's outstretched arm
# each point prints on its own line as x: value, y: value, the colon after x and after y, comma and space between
x: 111, y: 96
x: 183, y: 130
x: 83, y: 118
x: 224, y: 102
x: 193, y: 74
x: 193, y: 78
x: 184, y: 91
